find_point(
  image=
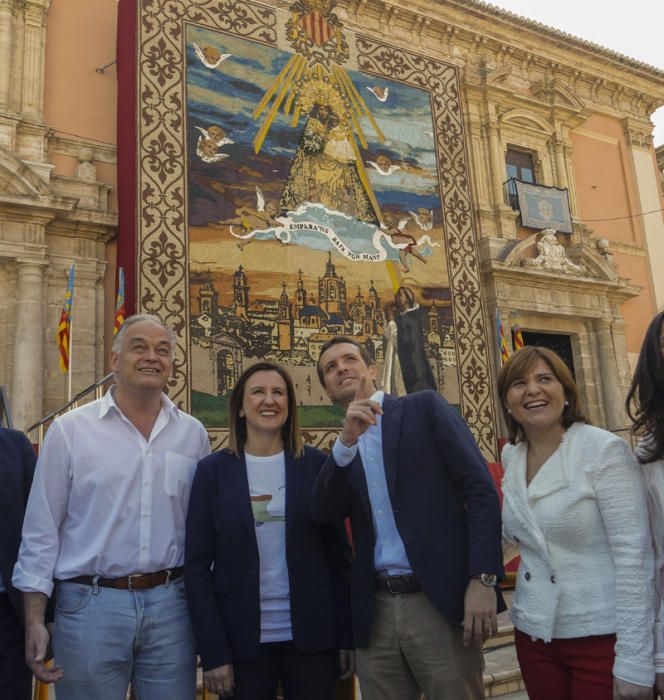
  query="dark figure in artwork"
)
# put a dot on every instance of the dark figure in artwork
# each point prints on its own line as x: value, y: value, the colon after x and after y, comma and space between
x: 415, y: 367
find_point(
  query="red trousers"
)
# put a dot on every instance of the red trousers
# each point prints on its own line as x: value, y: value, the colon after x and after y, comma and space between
x: 567, y: 669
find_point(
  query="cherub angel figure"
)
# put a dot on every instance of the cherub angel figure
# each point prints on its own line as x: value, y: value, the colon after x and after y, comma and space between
x: 379, y: 92
x: 258, y: 218
x: 383, y: 165
x: 209, y: 142
x: 210, y: 56
x: 406, y: 244
x: 423, y: 218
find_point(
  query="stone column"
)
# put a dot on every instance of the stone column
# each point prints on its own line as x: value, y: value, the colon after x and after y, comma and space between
x: 561, y: 170
x: 34, y: 52
x: 28, y: 375
x: 6, y: 31
x: 609, y: 375
x: 497, y: 165
x: 571, y: 182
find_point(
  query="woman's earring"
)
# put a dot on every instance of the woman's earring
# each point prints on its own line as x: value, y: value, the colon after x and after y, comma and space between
x: 566, y: 402
x: 510, y: 412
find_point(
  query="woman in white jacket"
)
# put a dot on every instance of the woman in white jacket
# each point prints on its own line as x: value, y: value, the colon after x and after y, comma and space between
x: 645, y: 406
x: 573, y: 505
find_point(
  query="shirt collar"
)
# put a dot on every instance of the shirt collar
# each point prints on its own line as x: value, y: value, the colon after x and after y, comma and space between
x: 108, y: 402
x: 378, y: 396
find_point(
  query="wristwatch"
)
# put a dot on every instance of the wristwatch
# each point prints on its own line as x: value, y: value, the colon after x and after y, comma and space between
x: 486, y: 579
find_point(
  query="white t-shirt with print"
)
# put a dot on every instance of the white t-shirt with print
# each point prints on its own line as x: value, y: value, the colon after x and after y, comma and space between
x: 267, y: 492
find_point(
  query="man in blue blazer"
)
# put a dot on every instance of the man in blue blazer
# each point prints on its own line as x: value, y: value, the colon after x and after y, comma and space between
x: 17, y: 466
x: 425, y: 522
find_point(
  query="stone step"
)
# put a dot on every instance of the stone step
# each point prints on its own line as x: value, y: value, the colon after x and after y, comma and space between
x: 502, y: 675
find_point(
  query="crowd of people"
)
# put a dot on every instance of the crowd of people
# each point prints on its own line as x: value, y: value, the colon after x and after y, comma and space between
x: 129, y: 550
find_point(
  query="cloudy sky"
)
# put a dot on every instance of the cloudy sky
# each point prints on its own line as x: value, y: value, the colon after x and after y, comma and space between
x: 634, y: 29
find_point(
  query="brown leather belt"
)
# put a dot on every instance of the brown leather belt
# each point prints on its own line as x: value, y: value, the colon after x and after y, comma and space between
x: 133, y: 582
x: 404, y: 583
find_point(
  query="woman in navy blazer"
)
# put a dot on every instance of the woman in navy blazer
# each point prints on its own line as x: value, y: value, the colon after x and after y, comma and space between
x: 268, y: 588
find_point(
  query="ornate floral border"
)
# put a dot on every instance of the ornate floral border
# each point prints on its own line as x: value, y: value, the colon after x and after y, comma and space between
x: 161, y: 187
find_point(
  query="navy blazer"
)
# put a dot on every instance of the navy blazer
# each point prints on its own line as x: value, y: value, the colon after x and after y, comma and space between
x: 445, y: 506
x: 17, y: 467
x: 222, y: 563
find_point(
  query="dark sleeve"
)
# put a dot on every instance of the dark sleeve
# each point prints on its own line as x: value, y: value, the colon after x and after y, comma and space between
x: 339, y: 557
x: 199, y: 553
x: 330, y: 494
x: 468, y: 471
x: 29, y: 460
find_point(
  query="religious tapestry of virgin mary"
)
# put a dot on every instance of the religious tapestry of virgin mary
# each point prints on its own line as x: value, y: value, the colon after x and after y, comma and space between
x: 296, y: 180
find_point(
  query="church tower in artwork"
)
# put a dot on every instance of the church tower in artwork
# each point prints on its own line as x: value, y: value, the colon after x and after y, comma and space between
x: 285, y: 321
x: 300, y: 293
x: 208, y: 300
x: 240, y: 293
x: 332, y: 291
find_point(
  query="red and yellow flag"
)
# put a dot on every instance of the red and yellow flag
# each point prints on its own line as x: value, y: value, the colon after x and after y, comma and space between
x: 120, y: 312
x: 64, y: 326
x: 518, y: 337
x: 504, y: 350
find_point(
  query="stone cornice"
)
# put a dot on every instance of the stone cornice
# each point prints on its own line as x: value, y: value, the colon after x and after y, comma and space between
x: 559, y: 36
x: 526, y: 278
x: 471, y: 33
x: 74, y: 145
x: 637, y: 133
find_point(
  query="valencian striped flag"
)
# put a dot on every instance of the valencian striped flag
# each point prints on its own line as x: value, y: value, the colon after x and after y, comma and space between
x: 119, y: 303
x: 65, y: 323
x: 518, y: 336
x: 504, y: 351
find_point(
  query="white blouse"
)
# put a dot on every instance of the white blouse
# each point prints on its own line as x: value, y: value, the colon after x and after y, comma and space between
x: 586, y: 554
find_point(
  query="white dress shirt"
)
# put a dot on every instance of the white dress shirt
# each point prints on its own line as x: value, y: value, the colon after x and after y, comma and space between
x: 105, y: 501
x: 389, y: 552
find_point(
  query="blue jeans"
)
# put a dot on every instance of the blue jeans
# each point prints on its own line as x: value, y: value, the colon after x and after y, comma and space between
x: 105, y: 638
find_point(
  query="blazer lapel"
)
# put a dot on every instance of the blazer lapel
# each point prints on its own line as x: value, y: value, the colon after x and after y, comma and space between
x: 293, y: 484
x: 516, y: 492
x: 390, y: 434
x: 236, y: 480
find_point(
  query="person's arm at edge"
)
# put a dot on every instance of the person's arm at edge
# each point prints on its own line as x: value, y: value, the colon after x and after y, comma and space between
x: 37, y: 638
x: 653, y: 474
x: 29, y: 460
x: 620, y: 493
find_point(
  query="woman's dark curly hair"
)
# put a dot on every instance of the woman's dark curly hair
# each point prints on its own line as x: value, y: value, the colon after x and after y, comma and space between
x: 645, y: 398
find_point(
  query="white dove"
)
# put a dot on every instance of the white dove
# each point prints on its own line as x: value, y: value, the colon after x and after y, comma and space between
x: 210, y: 56
x: 215, y: 134
x: 379, y: 93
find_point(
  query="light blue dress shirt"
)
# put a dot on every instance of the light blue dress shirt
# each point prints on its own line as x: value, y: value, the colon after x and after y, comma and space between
x: 389, y: 552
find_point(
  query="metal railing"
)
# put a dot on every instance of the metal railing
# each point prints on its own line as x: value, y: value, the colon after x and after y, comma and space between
x: 97, y: 388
